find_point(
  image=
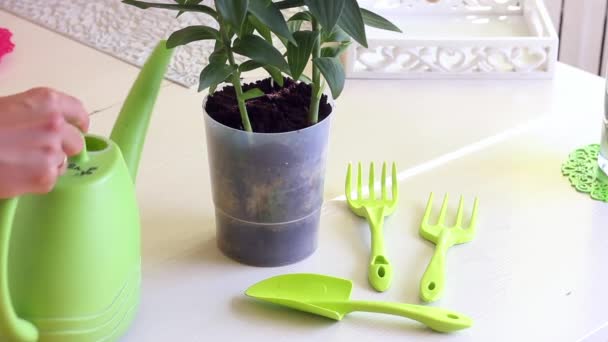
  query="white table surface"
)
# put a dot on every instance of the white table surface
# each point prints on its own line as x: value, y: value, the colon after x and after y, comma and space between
x: 535, y: 272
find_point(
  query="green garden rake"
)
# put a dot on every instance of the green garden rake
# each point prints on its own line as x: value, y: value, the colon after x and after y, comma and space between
x: 444, y: 237
x: 380, y: 271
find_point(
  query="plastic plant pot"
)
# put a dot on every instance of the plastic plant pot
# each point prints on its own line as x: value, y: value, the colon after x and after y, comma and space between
x: 267, y: 190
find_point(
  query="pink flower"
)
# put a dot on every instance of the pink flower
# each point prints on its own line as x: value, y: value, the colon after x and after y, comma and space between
x: 6, y: 46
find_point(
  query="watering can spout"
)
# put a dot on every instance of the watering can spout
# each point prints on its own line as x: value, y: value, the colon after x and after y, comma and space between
x: 130, y: 129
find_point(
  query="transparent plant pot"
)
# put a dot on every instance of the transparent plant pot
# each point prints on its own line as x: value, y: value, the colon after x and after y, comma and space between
x: 267, y: 190
x: 603, y: 155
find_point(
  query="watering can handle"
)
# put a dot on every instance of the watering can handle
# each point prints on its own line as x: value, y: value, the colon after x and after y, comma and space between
x: 11, y: 326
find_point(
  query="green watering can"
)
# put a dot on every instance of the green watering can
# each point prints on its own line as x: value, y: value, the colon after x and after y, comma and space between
x: 70, y: 269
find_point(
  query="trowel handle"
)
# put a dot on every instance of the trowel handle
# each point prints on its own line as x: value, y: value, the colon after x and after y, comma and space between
x: 12, y: 328
x: 438, y: 319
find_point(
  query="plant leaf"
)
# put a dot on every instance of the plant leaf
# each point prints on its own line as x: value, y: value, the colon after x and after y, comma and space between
x: 305, y: 79
x: 295, y: 25
x: 249, y: 65
x: 252, y: 94
x: 260, y: 51
x: 218, y: 57
x: 333, y: 72
x: 351, y: 21
x: 326, y: 11
x: 298, y: 56
x: 186, y: 8
x: 275, y: 74
x: 289, y: 4
x: 247, y: 27
x: 336, y: 35
x: 191, y: 34
x: 261, y: 28
x: 214, y: 73
x: 334, y: 50
x: 268, y: 13
x: 374, y: 20
x: 301, y: 16
x: 234, y: 11
x: 186, y: 2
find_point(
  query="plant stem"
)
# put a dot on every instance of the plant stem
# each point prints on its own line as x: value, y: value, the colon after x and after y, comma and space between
x: 313, y: 112
x: 236, y: 82
x: 236, y: 77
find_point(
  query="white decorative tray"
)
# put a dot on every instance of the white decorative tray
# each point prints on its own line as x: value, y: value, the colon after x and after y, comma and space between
x: 457, y: 39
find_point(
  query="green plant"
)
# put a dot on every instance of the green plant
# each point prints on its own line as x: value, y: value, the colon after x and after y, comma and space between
x: 246, y: 28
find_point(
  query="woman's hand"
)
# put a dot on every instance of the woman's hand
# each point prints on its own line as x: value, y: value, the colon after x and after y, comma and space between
x: 39, y: 129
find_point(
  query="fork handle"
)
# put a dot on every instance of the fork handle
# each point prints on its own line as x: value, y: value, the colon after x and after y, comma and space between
x: 433, y: 280
x: 380, y: 270
x: 380, y: 273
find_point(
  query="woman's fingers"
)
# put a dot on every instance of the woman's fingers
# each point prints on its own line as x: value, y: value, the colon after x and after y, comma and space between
x: 49, y: 101
x: 39, y: 129
x: 74, y: 113
x: 42, y: 170
x: 72, y: 142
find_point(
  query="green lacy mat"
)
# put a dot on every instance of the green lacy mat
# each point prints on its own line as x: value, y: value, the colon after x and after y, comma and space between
x: 583, y: 171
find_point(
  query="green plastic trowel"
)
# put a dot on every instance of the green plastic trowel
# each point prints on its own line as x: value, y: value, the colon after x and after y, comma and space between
x: 329, y: 297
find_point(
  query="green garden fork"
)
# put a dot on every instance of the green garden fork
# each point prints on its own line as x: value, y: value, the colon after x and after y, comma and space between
x: 444, y: 237
x: 380, y: 271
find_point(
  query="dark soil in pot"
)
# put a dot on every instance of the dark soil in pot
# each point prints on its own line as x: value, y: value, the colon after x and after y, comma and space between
x: 282, y: 109
x: 267, y: 188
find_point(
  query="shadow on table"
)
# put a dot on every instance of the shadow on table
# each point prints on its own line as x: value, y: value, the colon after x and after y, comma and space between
x: 181, y: 238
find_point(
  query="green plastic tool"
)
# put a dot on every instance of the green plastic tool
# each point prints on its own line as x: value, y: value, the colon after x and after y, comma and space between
x: 70, y: 260
x: 444, y: 237
x: 380, y: 271
x: 329, y: 297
